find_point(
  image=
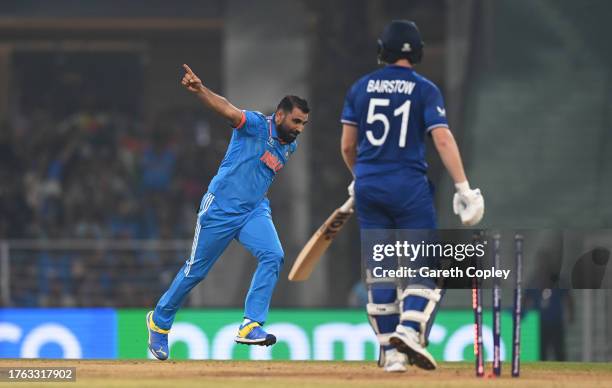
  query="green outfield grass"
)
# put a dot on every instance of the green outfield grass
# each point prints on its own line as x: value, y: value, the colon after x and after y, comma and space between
x: 273, y: 374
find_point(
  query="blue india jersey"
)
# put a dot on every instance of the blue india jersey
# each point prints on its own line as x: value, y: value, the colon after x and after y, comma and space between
x: 393, y: 108
x: 253, y: 158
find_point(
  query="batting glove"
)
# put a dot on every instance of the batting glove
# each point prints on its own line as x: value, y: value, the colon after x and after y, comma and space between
x: 468, y: 204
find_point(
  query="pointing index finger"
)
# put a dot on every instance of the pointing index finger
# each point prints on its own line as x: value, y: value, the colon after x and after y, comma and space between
x: 187, y: 69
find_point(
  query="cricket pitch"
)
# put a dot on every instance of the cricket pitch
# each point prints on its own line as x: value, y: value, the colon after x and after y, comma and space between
x: 320, y: 374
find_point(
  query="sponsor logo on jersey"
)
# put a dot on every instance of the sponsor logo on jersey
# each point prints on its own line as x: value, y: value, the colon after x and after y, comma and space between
x: 271, y: 161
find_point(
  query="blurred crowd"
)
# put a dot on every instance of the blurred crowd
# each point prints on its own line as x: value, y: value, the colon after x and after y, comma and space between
x: 96, y: 174
x: 96, y: 277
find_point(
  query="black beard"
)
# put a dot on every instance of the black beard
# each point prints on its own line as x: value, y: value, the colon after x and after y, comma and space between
x: 286, y: 135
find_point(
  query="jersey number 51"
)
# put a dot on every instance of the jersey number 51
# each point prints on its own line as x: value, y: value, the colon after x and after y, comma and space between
x: 403, y: 110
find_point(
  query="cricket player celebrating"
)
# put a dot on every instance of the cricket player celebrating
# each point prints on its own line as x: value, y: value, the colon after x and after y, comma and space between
x: 236, y: 207
x: 386, y: 117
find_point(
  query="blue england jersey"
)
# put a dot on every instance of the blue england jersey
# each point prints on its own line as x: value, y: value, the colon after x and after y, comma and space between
x: 393, y: 108
x: 253, y: 158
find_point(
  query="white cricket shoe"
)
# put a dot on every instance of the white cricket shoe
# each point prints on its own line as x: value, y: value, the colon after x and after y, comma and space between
x: 406, y: 340
x: 395, y: 362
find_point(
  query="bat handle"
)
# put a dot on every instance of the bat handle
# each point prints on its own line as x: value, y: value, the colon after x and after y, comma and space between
x: 347, y: 207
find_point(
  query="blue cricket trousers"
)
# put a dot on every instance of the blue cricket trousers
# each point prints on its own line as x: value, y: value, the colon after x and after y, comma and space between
x: 396, y: 200
x: 214, y: 230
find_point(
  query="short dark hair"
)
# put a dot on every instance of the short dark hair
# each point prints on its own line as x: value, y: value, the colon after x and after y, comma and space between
x: 289, y: 102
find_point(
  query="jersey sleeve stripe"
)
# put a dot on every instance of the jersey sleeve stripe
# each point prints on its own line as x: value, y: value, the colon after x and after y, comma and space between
x: 434, y: 126
x: 242, y: 121
x: 343, y: 121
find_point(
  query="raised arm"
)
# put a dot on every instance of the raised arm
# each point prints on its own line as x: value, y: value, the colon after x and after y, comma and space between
x: 217, y: 103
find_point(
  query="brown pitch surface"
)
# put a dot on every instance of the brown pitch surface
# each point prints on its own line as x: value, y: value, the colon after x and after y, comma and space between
x: 272, y: 374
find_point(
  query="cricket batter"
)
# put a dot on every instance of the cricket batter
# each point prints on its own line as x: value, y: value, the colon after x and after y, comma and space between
x: 386, y: 117
x: 236, y: 207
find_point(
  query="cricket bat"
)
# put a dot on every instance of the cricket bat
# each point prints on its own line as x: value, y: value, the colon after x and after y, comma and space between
x: 319, y: 242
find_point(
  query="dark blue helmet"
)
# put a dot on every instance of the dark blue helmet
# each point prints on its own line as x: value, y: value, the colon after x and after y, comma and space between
x: 400, y: 39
